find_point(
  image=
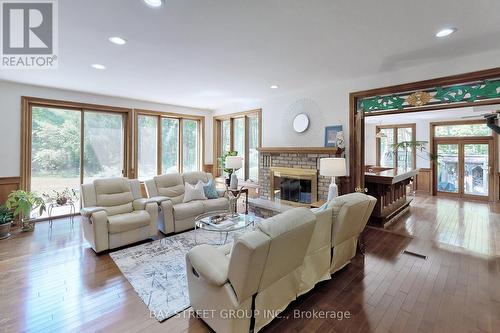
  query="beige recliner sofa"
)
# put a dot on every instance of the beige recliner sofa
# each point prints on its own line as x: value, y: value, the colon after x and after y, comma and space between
x: 263, y: 271
x: 168, y: 191
x: 260, y: 272
x: 114, y: 213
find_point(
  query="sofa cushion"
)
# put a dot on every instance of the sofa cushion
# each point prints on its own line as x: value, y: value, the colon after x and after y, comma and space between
x: 188, y: 209
x: 212, y: 205
x: 210, y: 190
x: 114, y: 194
x: 170, y: 185
x: 194, y: 192
x: 128, y: 221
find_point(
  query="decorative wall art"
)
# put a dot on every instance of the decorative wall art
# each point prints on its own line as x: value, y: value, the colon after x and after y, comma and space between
x: 334, y: 136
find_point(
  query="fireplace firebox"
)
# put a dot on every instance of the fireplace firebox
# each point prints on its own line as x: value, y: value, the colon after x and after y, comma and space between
x: 294, y: 186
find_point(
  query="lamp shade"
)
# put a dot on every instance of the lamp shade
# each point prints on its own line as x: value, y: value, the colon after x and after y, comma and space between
x: 234, y: 162
x: 332, y: 167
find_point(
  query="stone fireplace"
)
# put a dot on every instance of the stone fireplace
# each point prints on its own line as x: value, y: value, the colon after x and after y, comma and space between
x: 286, y: 173
x: 293, y: 186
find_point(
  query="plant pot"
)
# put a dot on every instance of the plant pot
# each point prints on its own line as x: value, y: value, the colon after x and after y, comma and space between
x: 5, y: 230
x: 28, y: 225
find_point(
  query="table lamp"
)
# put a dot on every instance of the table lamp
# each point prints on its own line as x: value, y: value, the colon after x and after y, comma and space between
x: 332, y: 167
x: 234, y: 163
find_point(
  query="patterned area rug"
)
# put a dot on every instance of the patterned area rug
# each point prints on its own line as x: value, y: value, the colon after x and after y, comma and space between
x: 157, y: 270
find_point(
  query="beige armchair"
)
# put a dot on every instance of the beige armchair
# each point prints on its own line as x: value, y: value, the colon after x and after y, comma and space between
x: 115, y: 214
x: 350, y: 214
x: 175, y: 215
x: 260, y: 272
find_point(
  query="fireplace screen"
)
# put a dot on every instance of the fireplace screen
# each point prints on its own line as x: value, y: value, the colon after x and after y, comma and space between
x: 296, y: 190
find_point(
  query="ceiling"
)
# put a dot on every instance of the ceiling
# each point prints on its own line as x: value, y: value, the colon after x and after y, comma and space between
x: 208, y: 53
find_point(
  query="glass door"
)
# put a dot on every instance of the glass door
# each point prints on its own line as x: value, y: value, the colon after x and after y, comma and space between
x: 463, y: 168
x: 448, y: 168
x: 476, y: 169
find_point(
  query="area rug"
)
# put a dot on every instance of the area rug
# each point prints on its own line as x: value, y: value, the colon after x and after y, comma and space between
x: 157, y: 270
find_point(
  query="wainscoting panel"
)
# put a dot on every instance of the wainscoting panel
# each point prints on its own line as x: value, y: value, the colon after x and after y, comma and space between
x: 424, y: 181
x: 7, y: 185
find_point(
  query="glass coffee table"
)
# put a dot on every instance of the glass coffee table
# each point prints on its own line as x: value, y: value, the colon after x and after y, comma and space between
x: 230, y: 224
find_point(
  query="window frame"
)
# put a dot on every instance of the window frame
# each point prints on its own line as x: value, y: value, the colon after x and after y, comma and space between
x: 28, y: 103
x: 217, y: 128
x: 180, y: 117
x: 395, y: 138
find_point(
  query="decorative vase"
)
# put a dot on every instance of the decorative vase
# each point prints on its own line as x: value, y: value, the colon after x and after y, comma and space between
x: 5, y: 230
x: 62, y: 201
x: 27, y: 224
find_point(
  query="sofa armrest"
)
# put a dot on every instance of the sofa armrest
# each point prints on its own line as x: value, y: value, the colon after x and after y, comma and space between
x: 140, y: 204
x: 88, y: 211
x: 209, y: 263
x: 159, y: 199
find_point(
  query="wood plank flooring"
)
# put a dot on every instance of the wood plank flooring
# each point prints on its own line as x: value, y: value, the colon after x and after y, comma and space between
x: 51, y: 281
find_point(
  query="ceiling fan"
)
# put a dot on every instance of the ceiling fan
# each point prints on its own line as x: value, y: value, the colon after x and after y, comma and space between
x: 490, y: 120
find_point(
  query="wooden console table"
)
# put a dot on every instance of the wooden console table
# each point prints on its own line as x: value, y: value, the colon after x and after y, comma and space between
x: 388, y: 186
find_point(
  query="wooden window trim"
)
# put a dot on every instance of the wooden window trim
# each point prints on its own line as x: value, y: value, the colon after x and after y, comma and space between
x: 395, y: 127
x: 27, y: 104
x: 179, y: 116
x: 217, y: 130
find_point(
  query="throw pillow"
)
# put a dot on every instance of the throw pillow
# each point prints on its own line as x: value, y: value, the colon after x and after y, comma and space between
x: 194, y: 192
x: 210, y: 191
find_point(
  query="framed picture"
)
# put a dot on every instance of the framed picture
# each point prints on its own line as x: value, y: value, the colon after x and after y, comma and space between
x: 331, y: 135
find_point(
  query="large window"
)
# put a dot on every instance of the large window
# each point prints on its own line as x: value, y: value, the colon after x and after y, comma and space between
x: 167, y: 143
x: 394, y: 146
x: 240, y: 132
x: 66, y: 144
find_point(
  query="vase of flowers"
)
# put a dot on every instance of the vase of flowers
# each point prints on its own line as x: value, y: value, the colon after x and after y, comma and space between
x: 25, y: 206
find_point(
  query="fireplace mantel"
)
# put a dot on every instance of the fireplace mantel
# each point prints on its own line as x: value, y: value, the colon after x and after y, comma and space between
x: 301, y: 150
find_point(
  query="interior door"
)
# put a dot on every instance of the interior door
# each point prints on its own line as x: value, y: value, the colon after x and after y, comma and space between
x: 464, y: 167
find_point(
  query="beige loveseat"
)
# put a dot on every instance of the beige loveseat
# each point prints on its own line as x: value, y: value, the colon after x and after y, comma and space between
x: 266, y: 269
x: 168, y: 191
x: 115, y: 214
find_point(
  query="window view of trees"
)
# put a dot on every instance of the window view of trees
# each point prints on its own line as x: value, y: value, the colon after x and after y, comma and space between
x: 170, y: 145
x: 167, y: 137
x: 462, y: 130
x: 190, y: 145
x: 392, y: 157
x: 55, y: 149
x: 241, y: 133
x: 147, y: 136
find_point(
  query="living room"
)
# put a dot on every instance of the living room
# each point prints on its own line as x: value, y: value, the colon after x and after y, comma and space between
x: 237, y: 166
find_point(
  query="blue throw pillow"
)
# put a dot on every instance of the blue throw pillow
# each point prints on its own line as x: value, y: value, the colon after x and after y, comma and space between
x: 210, y: 191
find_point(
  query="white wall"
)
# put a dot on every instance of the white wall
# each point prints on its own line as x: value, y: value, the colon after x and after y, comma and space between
x: 10, y: 117
x: 333, y: 100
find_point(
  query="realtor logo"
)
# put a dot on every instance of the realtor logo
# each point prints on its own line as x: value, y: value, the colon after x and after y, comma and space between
x: 29, y: 34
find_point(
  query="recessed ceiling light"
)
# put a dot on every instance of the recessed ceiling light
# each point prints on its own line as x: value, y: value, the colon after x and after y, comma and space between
x: 153, y: 3
x: 274, y: 86
x: 445, y: 32
x: 98, y: 66
x: 117, y: 40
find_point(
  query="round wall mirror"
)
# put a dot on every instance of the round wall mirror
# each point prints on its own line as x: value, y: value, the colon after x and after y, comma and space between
x: 300, y: 123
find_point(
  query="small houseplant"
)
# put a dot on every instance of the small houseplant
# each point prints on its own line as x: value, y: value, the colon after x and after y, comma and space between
x: 60, y: 198
x: 222, y: 163
x: 6, y: 218
x: 22, y: 204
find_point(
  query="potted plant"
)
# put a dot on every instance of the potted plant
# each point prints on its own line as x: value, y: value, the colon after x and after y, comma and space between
x: 6, y: 218
x: 22, y: 204
x: 60, y: 198
x: 222, y: 163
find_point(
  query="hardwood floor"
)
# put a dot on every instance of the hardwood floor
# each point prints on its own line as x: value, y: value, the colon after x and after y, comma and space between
x: 52, y: 281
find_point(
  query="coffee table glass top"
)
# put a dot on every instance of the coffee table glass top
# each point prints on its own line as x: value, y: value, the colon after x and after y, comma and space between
x: 230, y: 224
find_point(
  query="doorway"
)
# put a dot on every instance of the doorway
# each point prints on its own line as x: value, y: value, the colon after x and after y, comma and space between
x: 464, y: 156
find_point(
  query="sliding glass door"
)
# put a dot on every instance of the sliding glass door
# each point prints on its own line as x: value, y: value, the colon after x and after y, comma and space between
x: 74, y: 146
